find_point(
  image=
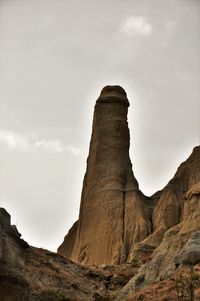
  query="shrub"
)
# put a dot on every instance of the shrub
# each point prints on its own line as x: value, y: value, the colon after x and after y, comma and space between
x: 185, y: 285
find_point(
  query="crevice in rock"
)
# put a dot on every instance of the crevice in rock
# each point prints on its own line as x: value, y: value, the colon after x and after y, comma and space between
x: 123, y: 215
x: 150, y: 213
x: 123, y: 255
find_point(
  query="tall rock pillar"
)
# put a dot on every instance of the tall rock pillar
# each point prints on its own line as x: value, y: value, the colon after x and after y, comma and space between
x: 113, y: 215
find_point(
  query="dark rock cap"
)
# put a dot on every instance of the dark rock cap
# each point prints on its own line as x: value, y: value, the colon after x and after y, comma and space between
x: 113, y: 94
x: 113, y: 91
x: 4, y: 219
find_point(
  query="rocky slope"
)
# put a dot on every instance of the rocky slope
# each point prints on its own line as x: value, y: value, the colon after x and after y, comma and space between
x: 30, y: 274
x: 179, y: 247
x: 175, y: 288
x: 33, y: 274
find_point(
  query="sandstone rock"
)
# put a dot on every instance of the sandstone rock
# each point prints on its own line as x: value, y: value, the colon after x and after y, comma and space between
x: 32, y: 274
x: 191, y: 216
x: 171, y: 200
x: 4, y: 220
x: 194, y: 191
x: 114, y: 214
x: 13, y: 288
x: 118, y: 225
x: 69, y: 239
x: 180, y: 244
x: 175, y: 239
x: 140, y: 254
x: 11, y: 245
x: 190, y: 254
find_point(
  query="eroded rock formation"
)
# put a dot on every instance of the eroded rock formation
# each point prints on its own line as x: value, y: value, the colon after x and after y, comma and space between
x: 179, y: 246
x: 140, y: 240
x: 170, y: 203
x: 116, y: 220
x: 114, y: 214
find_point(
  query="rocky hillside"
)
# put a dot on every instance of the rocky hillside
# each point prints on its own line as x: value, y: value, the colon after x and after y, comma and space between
x: 124, y: 246
x: 179, y: 248
x: 33, y: 274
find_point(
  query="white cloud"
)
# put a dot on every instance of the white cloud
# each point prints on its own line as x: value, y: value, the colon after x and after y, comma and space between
x: 55, y: 146
x: 14, y: 141
x: 134, y: 26
x: 51, y: 145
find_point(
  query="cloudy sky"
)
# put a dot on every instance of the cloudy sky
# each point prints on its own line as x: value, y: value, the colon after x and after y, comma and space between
x: 55, y: 57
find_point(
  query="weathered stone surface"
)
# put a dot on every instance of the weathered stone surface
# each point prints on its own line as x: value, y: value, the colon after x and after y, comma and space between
x: 11, y: 245
x: 13, y: 288
x: 141, y: 237
x: 113, y: 213
x: 194, y: 191
x: 174, y: 240
x: 191, y: 216
x: 180, y: 244
x: 32, y: 274
x: 171, y: 200
x: 190, y: 254
x: 70, y: 238
x: 119, y: 226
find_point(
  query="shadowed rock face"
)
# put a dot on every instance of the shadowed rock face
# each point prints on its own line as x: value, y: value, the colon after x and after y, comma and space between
x: 34, y: 274
x: 171, y: 202
x: 180, y: 245
x: 113, y: 214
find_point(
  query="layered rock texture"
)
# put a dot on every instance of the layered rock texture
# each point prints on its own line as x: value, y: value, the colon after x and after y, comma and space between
x: 114, y: 214
x: 178, y: 248
x: 117, y: 221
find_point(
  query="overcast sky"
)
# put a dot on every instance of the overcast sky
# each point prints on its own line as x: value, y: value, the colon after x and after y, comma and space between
x: 56, y: 56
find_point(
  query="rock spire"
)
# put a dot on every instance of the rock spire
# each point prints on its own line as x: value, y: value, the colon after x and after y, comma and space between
x: 113, y: 213
x: 117, y: 223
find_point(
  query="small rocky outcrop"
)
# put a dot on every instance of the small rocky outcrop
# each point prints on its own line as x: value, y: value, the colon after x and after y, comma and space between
x: 190, y: 254
x: 11, y: 244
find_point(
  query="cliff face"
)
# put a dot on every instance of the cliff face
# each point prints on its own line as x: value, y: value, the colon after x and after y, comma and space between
x: 171, y: 201
x: 114, y: 214
x: 179, y: 248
